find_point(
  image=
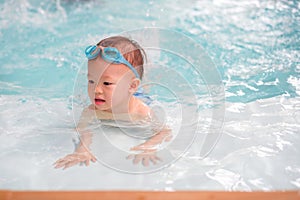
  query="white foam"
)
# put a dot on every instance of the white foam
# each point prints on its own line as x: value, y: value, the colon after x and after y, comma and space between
x: 259, y: 149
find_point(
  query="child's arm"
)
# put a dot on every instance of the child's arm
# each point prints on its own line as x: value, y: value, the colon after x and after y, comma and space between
x: 148, y: 148
x: 163, y: 135
x: 82, y: 152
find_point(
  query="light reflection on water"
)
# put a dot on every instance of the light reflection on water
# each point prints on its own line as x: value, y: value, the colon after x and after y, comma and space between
x: 255, y: 45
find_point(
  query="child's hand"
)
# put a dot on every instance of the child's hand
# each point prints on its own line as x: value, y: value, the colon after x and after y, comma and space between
x: 145, y: 158
x: 75, y: 158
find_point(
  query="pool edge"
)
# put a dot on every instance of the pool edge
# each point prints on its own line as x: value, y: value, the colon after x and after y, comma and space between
x: 143, y: 195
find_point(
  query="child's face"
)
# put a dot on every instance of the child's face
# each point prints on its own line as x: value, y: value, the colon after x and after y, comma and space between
x: 109, y: 85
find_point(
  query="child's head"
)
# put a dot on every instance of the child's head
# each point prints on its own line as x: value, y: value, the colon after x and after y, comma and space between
x: 112, y: 78
x: 130, y: 50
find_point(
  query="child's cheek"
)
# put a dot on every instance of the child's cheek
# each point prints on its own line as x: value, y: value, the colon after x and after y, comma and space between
x: 91, y: 90
x: 121, y: 91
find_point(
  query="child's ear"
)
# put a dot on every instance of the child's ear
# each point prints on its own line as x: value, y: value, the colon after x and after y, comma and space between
x: 134, y: 85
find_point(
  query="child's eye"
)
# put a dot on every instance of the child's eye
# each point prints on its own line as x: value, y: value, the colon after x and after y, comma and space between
x: 107, y: 83
x: 91, y: 82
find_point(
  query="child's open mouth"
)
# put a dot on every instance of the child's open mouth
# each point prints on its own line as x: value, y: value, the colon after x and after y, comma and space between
x: 99, y: 101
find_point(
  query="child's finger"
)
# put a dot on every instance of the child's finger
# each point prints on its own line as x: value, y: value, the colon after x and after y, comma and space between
x: 134, y: 148
x: 67, y: 157
x: 94, y: 159
x: 60, y: 164
x: 153, y: 160
x: 145, y: 161
x: 138, y: 148
x: 55, y: 162
x: 58, y: 161
x: 131, y: 156
x: 87, y: 162
x: 158, y: 158
x: 168, y: 138
x: 67, y: 165
x: 71, y: 163
x: 137, y: 159
x: 64, y: 160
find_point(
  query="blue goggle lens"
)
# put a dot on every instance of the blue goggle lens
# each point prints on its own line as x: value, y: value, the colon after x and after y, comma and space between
x: 91, y: 52
x: 111, y: 54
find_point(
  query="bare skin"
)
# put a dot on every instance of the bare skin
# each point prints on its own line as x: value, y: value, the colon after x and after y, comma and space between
x: 111, y: 88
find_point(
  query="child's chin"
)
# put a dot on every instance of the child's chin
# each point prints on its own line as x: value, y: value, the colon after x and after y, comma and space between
x: 102, y: 107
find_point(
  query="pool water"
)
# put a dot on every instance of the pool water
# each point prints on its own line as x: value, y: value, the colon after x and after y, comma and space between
x: 253, y: 47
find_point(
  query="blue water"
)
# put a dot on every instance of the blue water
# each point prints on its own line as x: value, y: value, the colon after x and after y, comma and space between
x: 254, y: 46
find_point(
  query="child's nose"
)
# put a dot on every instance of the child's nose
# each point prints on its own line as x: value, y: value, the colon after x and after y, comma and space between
x: 98, y: 89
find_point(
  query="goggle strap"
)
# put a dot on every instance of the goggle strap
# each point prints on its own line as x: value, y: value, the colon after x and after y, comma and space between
x: 130, y: 67
x: 93, y: 51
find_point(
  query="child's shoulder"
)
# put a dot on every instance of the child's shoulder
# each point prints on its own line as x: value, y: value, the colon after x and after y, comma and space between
x: 142, y: 109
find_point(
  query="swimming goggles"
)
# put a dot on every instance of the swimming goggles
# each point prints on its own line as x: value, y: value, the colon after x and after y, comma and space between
x: 109, y: 54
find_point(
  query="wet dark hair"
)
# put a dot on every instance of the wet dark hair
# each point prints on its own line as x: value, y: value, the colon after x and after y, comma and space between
x: 130, y: 50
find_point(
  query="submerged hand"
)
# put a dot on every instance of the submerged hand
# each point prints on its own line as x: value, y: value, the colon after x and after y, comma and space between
x: 144, y: 158
x: 75, y: 158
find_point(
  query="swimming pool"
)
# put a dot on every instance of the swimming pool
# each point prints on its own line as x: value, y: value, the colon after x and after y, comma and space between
x: 253, y: 45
